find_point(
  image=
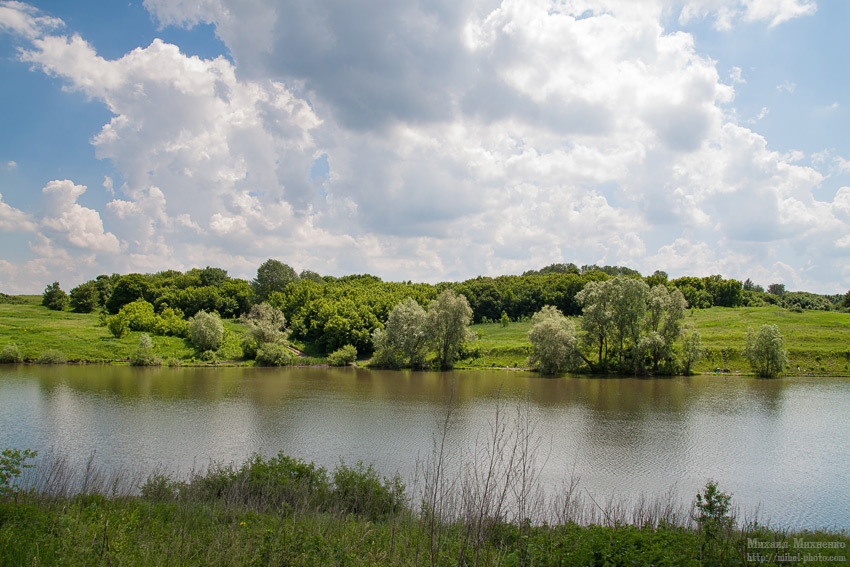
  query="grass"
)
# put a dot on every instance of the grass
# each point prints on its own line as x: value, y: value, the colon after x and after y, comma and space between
x: 36, y: 330
x: 282, y: 511
x: 817, y: 341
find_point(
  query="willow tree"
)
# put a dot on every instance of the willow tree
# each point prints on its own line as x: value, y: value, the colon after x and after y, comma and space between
x: 447, y: 326
x: 554, y: 342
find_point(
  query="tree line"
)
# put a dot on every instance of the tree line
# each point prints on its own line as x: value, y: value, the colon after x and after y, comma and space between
x: 330, y: 313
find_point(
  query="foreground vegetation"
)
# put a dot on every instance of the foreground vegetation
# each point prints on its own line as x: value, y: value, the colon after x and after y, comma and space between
x: 283, y: 511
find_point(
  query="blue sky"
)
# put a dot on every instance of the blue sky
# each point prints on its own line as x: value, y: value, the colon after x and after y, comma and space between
x: 425, y: 140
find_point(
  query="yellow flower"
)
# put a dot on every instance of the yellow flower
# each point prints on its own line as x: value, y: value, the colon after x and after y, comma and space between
x: 241, y: 523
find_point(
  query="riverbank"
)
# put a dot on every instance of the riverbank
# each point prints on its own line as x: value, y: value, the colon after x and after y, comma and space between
x: 817, y: 341
x: 283, y: 511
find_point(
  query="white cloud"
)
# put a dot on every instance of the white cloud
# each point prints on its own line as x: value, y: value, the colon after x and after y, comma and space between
x: 25, y: 20
x: 727, y: 13
x: 786, y: 87
x: 79, y: 226
x: 461, y: 138
x: 14, y: 220
x: 11, y: 164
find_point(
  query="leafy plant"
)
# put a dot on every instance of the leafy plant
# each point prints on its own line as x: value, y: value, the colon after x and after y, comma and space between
x: 12, y: 463
x: 54, y: 298
x: 765, y: 351
x: 274, y: 354
x: 11, y: 354
x: 51, y: 356
x: 206, y: 331
x: 343, y: 357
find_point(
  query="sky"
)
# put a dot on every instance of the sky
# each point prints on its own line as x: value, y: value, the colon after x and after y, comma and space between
x: 425, y: 140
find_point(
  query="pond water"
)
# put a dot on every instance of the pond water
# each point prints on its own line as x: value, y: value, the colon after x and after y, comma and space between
x: 780, y: 445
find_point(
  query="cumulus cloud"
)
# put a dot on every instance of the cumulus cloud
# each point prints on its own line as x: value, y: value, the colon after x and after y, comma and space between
x: 460, y: 138
x: 77, y: 225
x: 14, y: 220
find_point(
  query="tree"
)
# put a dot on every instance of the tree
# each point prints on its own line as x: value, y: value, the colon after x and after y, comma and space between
x: 692, y: 351
x: 266, y: 324
x: 85, y: 298
x: 311, y: 276
x: 54, y: 298
x: 597, y: 318
x: 447, y: 326
x: 665, y: 311
x: 212, y: 276
x: 765, y: 351
x: 129, y: 288
x: 206, y: 331
x: 403, y: 340
x: 776, y: 289
x: 272, y: 275
x: 553, y: 341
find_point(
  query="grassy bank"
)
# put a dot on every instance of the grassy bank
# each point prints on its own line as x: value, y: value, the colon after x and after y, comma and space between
x: 817, y: 341
x: 281, y: 511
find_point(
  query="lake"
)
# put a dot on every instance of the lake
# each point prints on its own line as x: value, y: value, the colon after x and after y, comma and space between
x: 782, y: 446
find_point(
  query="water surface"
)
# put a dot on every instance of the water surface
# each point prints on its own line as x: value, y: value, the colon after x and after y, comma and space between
x: 780, y: 445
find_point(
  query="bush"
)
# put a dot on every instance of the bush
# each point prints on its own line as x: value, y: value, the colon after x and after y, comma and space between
x: 360, y: 490
x: 54, y: 298
x: 343, y: 357
x: 143, y: 355
x: 208, y: 356
x: 12, y: 463
x: 51, y: 356
x: 274, y: 354
x: 171, y: 323
x: 206, y: 331
x: 11, y: 354
x: 118, y: 325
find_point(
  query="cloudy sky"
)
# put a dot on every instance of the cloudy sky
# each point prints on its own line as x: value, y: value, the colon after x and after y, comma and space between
x: 425, y: 140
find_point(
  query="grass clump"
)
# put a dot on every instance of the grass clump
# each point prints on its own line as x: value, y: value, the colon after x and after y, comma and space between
x: 11, y: 354
x: 51, y: 356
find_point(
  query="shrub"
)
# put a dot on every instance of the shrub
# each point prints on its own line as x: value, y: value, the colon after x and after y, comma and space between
x: 274, y: 354
x: 54, y: 298
x: 140, y: 316
x: 208, y: 356
x: 143, y: 355
x: 12, y: 463
x: 171, y: 323
x: 51, y: 356
x: 554, y: 342
x: 360, y: 490
x: 118, y: 325
x: 11, y: 354
x: 206, y: 331
x: 343, y: 357
x: 266, y: 324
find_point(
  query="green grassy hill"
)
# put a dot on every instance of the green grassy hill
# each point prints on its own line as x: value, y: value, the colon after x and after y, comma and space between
x: 818, y: 342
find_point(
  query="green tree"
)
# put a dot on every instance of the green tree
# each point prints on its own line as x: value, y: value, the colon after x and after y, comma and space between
x: 505, y: 320
x: 597, y: 319
x: 628, y: 310
x: 692, y: 351
x: 664, y: 315
x: 129, y: 288
x: 206, y: 331
x: 85, y: 298
x: 765, y: 351
x: 403, y: 341
x: 272, y: 275
x: 447, y: 326
x: 54, y: 298
x: 212, y: 276
x: 265, y: 324
x: 554, y: 342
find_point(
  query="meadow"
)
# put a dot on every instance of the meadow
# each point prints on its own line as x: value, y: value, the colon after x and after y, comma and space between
x: 817, y: 341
